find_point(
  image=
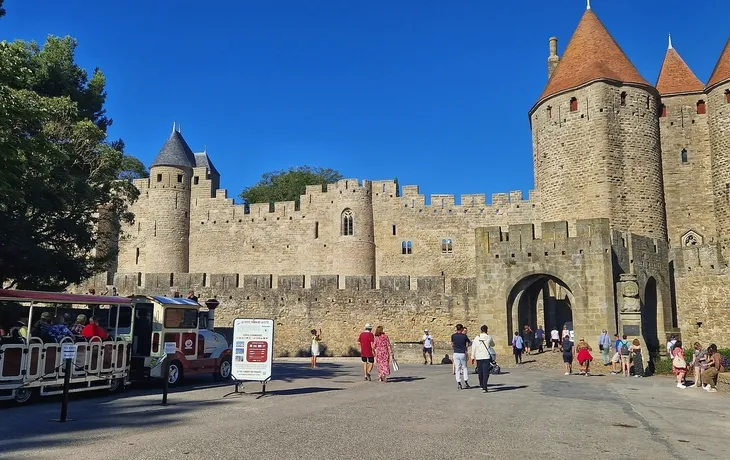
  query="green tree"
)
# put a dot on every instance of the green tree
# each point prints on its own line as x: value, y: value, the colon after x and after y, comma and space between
x: 288, y: 185
x: 59, y: 174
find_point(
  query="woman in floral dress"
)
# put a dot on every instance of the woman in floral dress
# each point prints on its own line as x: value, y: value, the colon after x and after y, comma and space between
x: 383, y: 353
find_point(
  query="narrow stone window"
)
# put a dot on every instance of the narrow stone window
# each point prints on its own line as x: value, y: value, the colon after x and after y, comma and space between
x: 196, y: 180
x: 394, y: 230
x: 684, y: 156
x: 136, y: 257
x: 179, y: 178
x: 347, y: 223
x: 406, y: 248
x: 727, y: 96
x: 701, y: 107
x: 549, y: 112
x: 623, y: 98
x: 573, y: 104
x: 316, y: 230
x: 383, y: 188
x: 447, y: 246
x: 159, y: 178
x: 662, y: 111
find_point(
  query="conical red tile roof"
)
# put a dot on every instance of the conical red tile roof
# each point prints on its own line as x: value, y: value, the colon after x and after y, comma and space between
x: 722, y: 69
x: 592, y: 54
x: 676, y: 76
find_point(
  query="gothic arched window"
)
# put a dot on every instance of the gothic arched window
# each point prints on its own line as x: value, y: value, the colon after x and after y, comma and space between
x: 406, y: 248
x: 347, y: 223
x: 684, y: 156
x: 701, y: 107
x: 573, y: 104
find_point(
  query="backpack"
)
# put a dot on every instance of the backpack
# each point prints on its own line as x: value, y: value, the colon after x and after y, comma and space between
x: 624, y: 348
x: 567, y: 345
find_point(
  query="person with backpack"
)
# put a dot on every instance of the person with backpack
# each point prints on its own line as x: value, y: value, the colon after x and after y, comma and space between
x: 567, y: 347
x: 624, y: 349
x: 482, y: 351
x: 517, y: 346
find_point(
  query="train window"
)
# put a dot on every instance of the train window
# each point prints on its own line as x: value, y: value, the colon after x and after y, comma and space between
x: 181, y: 318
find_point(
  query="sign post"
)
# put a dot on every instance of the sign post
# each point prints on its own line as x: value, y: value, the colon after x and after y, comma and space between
x: 170, y: 348
x: 253, y: 350
x: 68, y: 353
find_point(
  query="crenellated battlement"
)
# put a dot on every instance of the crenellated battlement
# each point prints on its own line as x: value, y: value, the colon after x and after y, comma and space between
x: 520, y: 240
x: 698, y: 259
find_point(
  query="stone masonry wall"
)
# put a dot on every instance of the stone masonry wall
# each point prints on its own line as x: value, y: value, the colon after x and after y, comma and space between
x: 687, y: 185
x: 718, y: 117
x: 602, y: 160
x: 403, y: 305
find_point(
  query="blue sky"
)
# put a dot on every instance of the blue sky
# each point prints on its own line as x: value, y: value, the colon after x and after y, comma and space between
x: 435, y: 93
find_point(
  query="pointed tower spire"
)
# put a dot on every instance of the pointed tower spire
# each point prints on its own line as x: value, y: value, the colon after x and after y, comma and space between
x: 676, y: 77
x: 592, y: 54
x: 722, y: 69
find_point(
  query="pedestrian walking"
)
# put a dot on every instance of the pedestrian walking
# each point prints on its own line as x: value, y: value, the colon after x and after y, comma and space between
x: 584, y: 357
x: 427, y: 342
x: 367, y: 342
x: 517, y: 346
x: 554, y: 339
x: 460, y: 343
x: 679, y: 365
x: 567, y: 347
x: 482, y: 352
x: 540, y: 338
x: 527, y: 338
x: 635, y: 350
x: 383, y: 354
x: 616, y: 358
x: 624, y: 347
x: 604, y: 346
x: 316, y: 338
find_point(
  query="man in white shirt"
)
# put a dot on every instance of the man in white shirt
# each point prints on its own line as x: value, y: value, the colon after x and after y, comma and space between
x: 555, y: 339
x: 427, y: 342
x: 670, y: 346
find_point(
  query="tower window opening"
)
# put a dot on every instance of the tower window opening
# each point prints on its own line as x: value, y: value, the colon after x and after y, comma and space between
x: 684, y: 156
x: 727, y: 96
x: 663, y: 111
x: 159, y: 178
x: 394, y: 230
x: 347, y: 223
x: 179, y: 178
x: 701, y: 107
x: 196, y: 180
x: 573, y: 104
x: 136, y: 257
x: 549, y: 112
x: 316, y: 230
x: 406, y: 248
x: 623, y: 98
x: 447, y: 246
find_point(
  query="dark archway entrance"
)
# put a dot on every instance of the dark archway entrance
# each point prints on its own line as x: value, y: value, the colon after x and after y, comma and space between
x: 539, y: 300
x: 649, y: 317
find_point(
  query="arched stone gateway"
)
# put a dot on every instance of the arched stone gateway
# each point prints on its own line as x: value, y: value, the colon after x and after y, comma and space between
x: 650, y: 317
x: 539, y: 299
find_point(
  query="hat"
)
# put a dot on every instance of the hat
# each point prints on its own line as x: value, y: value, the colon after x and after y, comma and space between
x: 45, y: 315
x: 81, y: 318
x: 425, y: 330
x: 368, y: 326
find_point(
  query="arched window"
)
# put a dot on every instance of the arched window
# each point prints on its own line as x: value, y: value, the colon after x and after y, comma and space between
x: 701, y: 107
x: 573, y: 104
x: 727, y: 96
x: 447, y: 246
x: 684, y: 156
x: 406, y: 248
x: 623, y: 98
x: 662, y: 111
x: 347, y: 223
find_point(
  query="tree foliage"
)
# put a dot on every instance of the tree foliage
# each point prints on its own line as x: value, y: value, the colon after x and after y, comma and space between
x: 59, y: 175
x: 288, y: 185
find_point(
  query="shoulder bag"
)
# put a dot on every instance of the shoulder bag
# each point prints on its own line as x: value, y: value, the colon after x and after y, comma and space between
x: 679, y: 362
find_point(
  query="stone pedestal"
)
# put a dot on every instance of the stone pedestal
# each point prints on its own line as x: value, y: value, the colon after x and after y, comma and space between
x: 629, y: 307
x: 630, y: 325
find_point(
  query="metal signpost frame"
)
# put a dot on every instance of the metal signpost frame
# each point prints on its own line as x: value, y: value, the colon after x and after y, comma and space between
x: 169, y: 348
x: 270, y: 357
x: 68, y: 353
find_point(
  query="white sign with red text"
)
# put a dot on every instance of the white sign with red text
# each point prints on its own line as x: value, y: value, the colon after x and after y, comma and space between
x: 253, y: 349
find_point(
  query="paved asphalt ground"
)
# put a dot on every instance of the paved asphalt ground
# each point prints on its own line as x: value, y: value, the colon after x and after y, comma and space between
x: 331, y: 413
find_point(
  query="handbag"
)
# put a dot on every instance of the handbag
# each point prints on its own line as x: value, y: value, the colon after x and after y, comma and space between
x: 394, y: 364
x: 490, y: 350
x: 679, y: 362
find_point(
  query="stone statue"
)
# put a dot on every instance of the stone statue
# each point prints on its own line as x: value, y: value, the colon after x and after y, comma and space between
x: 630, y: 294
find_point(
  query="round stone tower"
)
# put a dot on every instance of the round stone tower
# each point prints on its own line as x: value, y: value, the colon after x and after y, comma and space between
x: 595, y: 134
x: 718, y: 117
x: 354, y: 252
x: 169, y: 207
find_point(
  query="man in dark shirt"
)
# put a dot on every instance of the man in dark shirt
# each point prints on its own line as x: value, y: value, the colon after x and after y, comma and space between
x: 461, y: 343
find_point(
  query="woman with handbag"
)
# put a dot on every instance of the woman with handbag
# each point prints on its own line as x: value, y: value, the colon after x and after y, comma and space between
x: 383, y: 354
x: 679, y: 365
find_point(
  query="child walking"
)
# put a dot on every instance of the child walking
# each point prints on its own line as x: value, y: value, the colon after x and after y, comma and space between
x: 316, y: 338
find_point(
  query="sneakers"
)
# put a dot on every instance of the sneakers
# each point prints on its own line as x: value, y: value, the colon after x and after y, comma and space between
x: 567, y: 373
x: 712, y: 390
x: 485, y: 391
x: 458, y: 386
x: 679, y: 385
x: 706, y: 387
x: 466, y: 385
x: 613, y: 373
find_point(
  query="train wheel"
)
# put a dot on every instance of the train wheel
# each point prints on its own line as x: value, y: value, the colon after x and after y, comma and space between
x: 175, y: 374
x: 224, y: 369
x: 25, y: 395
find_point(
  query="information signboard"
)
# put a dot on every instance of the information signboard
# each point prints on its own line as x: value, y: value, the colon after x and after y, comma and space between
x: 68, y: 351
x: 253, y: 349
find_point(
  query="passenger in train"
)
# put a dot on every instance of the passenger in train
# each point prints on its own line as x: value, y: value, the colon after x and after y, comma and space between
x: 21, y: 328
x: 94, y: 330
x: 59, y: 330
x: 42, y: 328
x: 78, y: 327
